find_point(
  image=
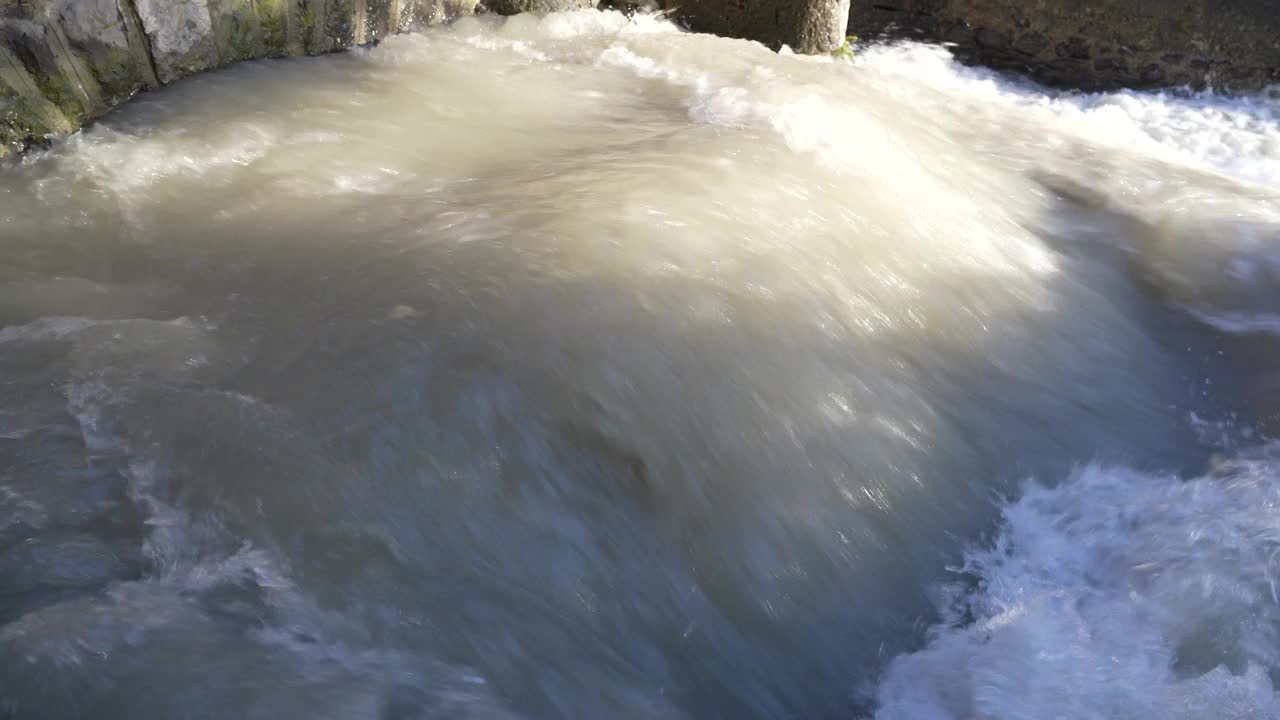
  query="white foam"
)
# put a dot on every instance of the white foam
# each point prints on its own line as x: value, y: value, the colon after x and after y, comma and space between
x: 1235, y: 135
x: 623, y: 57
x: 518, y: 47
x: 193, y: 553
x: 885, y: 150
x: 1116, y: 595
x: 45, y: 329
x: 594, y: 22
x: 1238, y: 323
x: 126, y: 163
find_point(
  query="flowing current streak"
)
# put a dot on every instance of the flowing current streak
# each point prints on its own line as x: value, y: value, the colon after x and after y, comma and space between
x: 580, y: 367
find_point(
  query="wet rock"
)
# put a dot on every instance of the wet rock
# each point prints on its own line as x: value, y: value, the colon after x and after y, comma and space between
x: 1075, y: 48
x: 1053, y: 39
x: 335, y: 25
x: 1110, y: 65
x: 42, y: 52
x: 417, y: 13
x: 806, y: 26
x: 930, y: 7
x: 991, y: 39
x: 1062, y: 72
x: 1245, y: 76
x: 25, y: 114
x: 925, y: 24
x: 93, y: 21
x: 180, y: 35
x: 246, y: 29
x: 960, y: 34
x: 1031, y: 43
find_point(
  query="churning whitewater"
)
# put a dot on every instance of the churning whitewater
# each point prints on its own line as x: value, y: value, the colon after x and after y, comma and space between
x: 577, y: 366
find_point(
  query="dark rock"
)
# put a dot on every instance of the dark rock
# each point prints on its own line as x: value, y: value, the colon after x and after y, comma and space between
x: 1075, y: 48
x: 991, y: 39
x: 1244, y: 75
x: 930, y: 7
x: 1031, y: 44
x: 1126, y: 37
x: 806, y: 26
x: 1064, y: 72
x: 925, y: 24
x: 959, y: 34
x: 1110, y: 65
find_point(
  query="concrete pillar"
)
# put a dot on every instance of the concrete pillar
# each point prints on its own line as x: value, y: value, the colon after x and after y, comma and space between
x: 806, y: 26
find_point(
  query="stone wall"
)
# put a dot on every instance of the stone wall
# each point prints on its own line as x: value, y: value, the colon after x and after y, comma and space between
x: 65, y: 62
x: 1097, y: 44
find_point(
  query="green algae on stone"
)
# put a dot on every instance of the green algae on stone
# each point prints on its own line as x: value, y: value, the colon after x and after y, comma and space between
x: 117, y: 74
x: 377, y: 19
x: 47, y: 62
x: 248, y: 29
x: 420, y: 13
x: 310, y: 25
x: 273, y: 24
x: 236, y: 30
x: 339, y: 24
x: 100, y: 40
x: 26, y: 116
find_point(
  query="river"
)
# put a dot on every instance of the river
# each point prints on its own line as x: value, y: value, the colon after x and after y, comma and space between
x: 580, y: 367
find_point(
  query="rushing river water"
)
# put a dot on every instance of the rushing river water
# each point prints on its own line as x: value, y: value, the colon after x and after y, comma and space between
x: 583, y: 368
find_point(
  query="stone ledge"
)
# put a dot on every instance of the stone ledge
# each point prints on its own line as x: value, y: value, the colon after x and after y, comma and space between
x: 64, y: 63
x: 1096, y: 44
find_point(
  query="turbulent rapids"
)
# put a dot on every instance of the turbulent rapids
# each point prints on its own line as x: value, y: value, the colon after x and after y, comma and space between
x: 579, y: 367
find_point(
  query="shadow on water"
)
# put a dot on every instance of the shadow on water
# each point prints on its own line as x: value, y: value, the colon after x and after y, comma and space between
x: 452, y: 456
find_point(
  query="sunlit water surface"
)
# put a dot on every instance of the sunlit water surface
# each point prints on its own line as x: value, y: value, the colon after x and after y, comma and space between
x: 578, y: 367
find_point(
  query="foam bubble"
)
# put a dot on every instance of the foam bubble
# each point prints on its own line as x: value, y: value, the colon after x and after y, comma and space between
x: 1238, y: 323
x: 593, y: 22
x: 1236, y: 135
x: 1115, y: 595
x: 127, y: 163
x: 44, y: 329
